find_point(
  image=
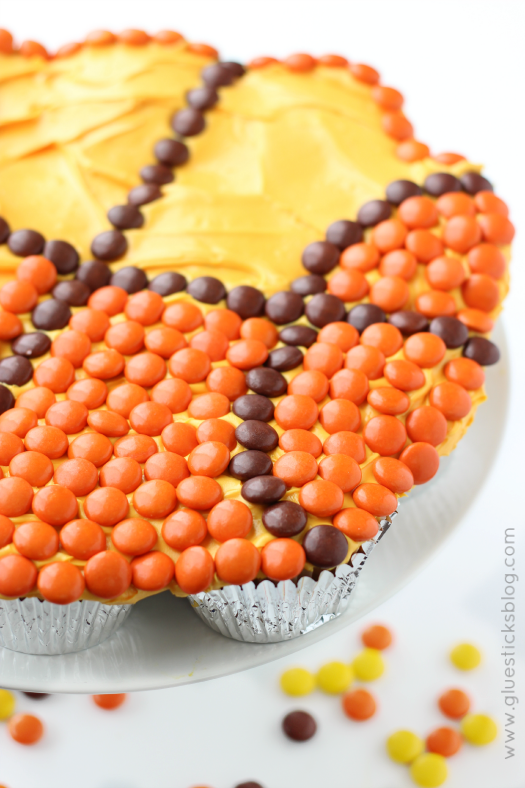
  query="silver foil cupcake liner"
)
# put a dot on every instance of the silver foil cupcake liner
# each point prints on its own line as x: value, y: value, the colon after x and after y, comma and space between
x: 31, y: 626
x: 272, y: 613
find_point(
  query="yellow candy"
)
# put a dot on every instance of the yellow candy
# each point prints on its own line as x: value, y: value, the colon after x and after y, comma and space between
x: 335, y: 677
x: 429, y: 770
x: 479, y: 729
x: 368, y: 665
x: 7, y: 704
x: 297, y: 681
x: 465, y: 656
x: 404, y: 746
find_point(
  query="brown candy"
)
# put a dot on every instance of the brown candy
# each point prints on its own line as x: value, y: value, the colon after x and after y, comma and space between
x: 344, y: 233
x: 309, y: 285
x: 94, y: 274
x: 398, y: 191
x: 249, y: 784
x: 217, y: 75
x: 482, y: 350
x: 320, y: 257
x: 473, y: 182
x: 202, y: 98
x: 298, y: 335
x: 143, y: 194
x: 284, y: 358
x: 263, y: 489
x: 37, y: 695
x: 130, y: 278
x: 4, y: 231
x: 364, y: 315
x: 125, y: 217
x: 324, y: 309
x: 25, y: 242
x: 408, y: 322
x: 440, y: 183
x: 15, y: 370
x: 253, y: 406
x: 248, y: 464
x: 73, y: 292
x: 51, y: 315
x: 63, y: 255
x: 109, y: 245
x: 254, y: 434
x: 31, y: 345
x: 452, y: 331
x: 325, y: 546
x: 299, y: 726
x: 207, y: 289
x: 284, y: 307
x: 237, y: 69
x: 284, y: 519
x: 167, y: 283
x: 188, y: 122
x: 7, y: 400
x: 246, y: 301
x: 157, y: 173
x: 373, y: 212
x: 268, y: 382
x: 172, y: 153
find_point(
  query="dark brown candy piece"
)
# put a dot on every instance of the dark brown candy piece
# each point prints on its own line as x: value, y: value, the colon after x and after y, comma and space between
x: 298, y: 335
x: 237, y: 69
x: 109, y: 245
x: 7, y: 401
x: 143, y: 194
x: 188, y: 122
x: 284, y: 307
x: 398, y: 191
x: 51, y: 315
x: 473, y: 183
x: 325, y: 546
x: 263, y: 489
x: 63, y: 255
x: 324, y: 309
x: 73, y: 292
x: 440, y: 183
x: 364, y: 315
x: 157, y: 173
x: 202, y: 98
x: 15, y: 370
x: 31, y: 345
x: 172, y: 153
x: 452, y: 331
x: 284, y: 358
x: 253, y: 406
x: 246, y: 301
x: 482, y: 350
x: 320, y: 257
x: 37, y: 695
x: 344, y: 233
x: 217, y: 75
x: 130, y: 278
x: 248, y: 464
x: 284, y: 519
x: 125, y: 217
x: 167, y: 283
x: 268, y: 382
x: 309, y: 285
x: 94, y: 274
x: 408, y: 322
x: 25, y: 242
x: 249, y: 784
x: 254, y: 434
x: 4, y: 231
x: 207, y: 289
x: 299, y: 725
x: 373, y: 212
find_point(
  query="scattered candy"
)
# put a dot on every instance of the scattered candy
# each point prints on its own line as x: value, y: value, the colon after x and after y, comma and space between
x: 377, y: 636
x: 429, y: 770
x: 444, y: 741
x: 454, y: 703
x: 404, y: 746
x: 335, y: 677
x: 479, y: 729
x: 25, y: 728
x: 110, y: 701
x: 465, y: 656
x: 368, y: 665
x: 299, y: 725
x: 359, y: 705
x: 296, y: 682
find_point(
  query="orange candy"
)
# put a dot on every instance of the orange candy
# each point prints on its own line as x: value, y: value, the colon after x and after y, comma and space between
x: 217, y: 430
x: 110, y: 701
x: 108, y: 423
x: 180, y: 438
x: 93, y: 447
x: 92, y: 322
x: 194, y: 570
x: 189, y: 364
x: 225, y: 321
x: 496, y: 229
x: 383, y: 336
x: 99, y: 38
x: 38, y: 399
x: 487, y: 259
x: 39, y: 271
x: 348, y: 285
x: 34, y: 467
x: 90, y: 391
x: 359, y: 705
x: 61, y: 583
x: 444, y: 741
x: 10, y: 446
x: 183, y: 316
x: 26, y: 728
x: 165, y: 465
x: 332, y: 61
x: 134, y: 536
x: 15, y: 496
x: 466, y: 372
x: 228, y: 381
x: 346, y: 443
x: 199, y: 492
x: 435, y: 303
x: 400, y: 262
x: 33, y: 49
x: 404, y: 375
x: 423, y: 461
x: 351, y: 384
x: 153, y: 572
x: 124, y: 473
x: 173, y: 393
x: 209, y: 406
x: 302, y: 441
x: 366, y: 359
x: 261, y: 62
x: 184, y: 528
x: 6, y: 41
x: 461, y: 233
x: 209, y: 459
x: 134, y: 38
x: 80, y: 476
x: 72, y: 345
x: 165, y: 341
x: 300, y: 63
x: 389, y: 235
x: 56, y: 374
x: 261, y: 329
x: 377, y: 636
x: 311, y: 383
x: 230, y: 519
x: 83, y: 539
x: 109, y: 299
x: 393, y: 474
x: 341, y: 470
x: 150, y: 418
x: 481, y: 292
x: 362, y: 256
x: 295, y: 468
x: 37, y: 541
x: 412, y: 150
x: 18, y: 421
x: 145, y: 307
x: 147, y: 369
x: 247, y: 354
x: 107, y: 574
x: 105, y: 506
x: 487, y: 202
x: 385, y: 435
x: 18, y: 296
x: 212, y: 342
x: 324, y: 357
x: 154, y: 499
x: 391, y: 293
x: 7, y: 530
x: 125, y: 397
x: 396, y: 125
x: 282, y: 559
x: 296, y: 411
x: 424, y: 245
x: 364, y: 73
x: 451, y: 399
x: 375, y: 499
x: 476, y: 320
x: 104, y: 364
x: 445, y: 273
x: 321, y: 498
x: 55, y: 505
x: 455, y: 204
x: 356, y: 524
x: 17, y: 575
x: 340, y: 414
x: 127, y: 337
x: 389, y: 400
x: 454, y: 703
x: 426, y: 424
x: 339, y: 333
x: 424, y: 349
x: 238, y: 561
x: 10, y: 326
x: 69, y: 416
x: 418, y: 212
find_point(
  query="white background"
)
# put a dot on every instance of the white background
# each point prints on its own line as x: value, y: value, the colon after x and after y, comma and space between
x: 461, y: 67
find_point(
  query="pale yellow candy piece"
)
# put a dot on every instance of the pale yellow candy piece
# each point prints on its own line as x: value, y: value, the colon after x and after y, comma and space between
x: 429, y: 770
x: 465, y: 656
x: 297, y: 681
x: 7, y: 704
x: 369, y: 665
x: 335, y: 677
x: 479, y: 729
x: 404, y: 746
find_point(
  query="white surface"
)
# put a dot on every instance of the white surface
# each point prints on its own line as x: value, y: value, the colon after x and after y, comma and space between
x: 460, y: 65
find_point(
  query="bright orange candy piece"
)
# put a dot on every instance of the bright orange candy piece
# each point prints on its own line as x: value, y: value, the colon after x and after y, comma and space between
x: 155, y: 499
x: 466, y: 372
x: 173, y: 393
x: 412, y: 150
x: 389, y: 235
x: 332, y: 61
x: 404, y: 375
x: 10, y: 446
x: 424, y: 245
x: 364, y: 73
x: 108, y: 423
x: 230, y: 519
x: 18, y: 421
x: 106, y: 506
x: 34, y: 467
x: 359, y: 705
x: 461, y: 233
x: 38, y: 399
x: 99, y: 38
x: 383, y: 336
x: 311, y: 383
x: 146, y: 369
x: 455, y: 204
x: 18, y: 296
x: 225, y: 321
x: 6, y: 41
x: 340, y: 414
x: 61, y: 583
x: 424, y: 349
x: 426, y: 424
x: 83, y: 539
x: 445, y: 741
x: 496, y: 229
x: 7, y: 530
x: 209, y: 406
x: 194, y: 570
x: 261, y: 329
x: 351, y: 384
x: 423, y: 461
x: 362, y: 256
x: 300, y: 63
x: 348, y: 285
x: 282, y: 559
x: 375, y: 499
x: 107, y: 574
x: 180, y: 438
x: 37, y: 541
x: 209, y: 459
x: 110, y: 702
x: 451, y: 399
x: 124, y: 473
x: 321, y: 498
x: 69, y: 416
x: 481, y: 292
x: 134, y: 536
x: 400, y: 263
x: 72, y: 345
x: 358, y: 525
x: 25, y: 728
x: 80, y: 476
x: 393, y: 474
x: 33, y: 49
x: 10, y: 326
x: 385, y: 435
x: 49, y: 440
x: 15, y: 496
x: 247, y: 354
x: 165, y: 341
x: 167, y: 466
x: 56, y: 374
x: 435, y: 303
x: 17, y: 576
x: 487, y: 259
x: 184, y: 528
x: 213, y: 343
x: 109, y: 299
x: 228, y: 381
x: 189, y: 364
x: 454, y: 703
x: 217, y: 430
x: 341, y: 470
x: 127, y: 337
x: 145, y: 307
x: 150, y: 418
x: 339, y: 333
x: 55, y: 505
x: 389, y: 400
x: 295, y: 468
x: 92, y: 322
x: 476, y: 320
x: 345, y: 442
x: 125, y: 397
x: 296, y: 411
x: 39, y: 271
x: 487, y: 202
x: 183, y: 316
x: 377, y: 636
x: 396, y: 125
x: 153, y: 571
x: 367, y: 359
x: 93, y: 447
x: 390, y: 293
x: 90, y: 392
x: 238, y: 561
x: 445, y: 273
x: 301, y: 440
x: 104, y: 364
x: 134, y: 38
x: 418, y: 212
x: 324, y: 357
x: 199, y: 492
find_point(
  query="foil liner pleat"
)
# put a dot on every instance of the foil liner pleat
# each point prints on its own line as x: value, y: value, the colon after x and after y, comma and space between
x: 31, y: 626
x: 272, y: 613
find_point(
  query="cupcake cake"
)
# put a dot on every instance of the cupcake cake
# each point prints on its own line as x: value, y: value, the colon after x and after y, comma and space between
x: 244, y: 311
